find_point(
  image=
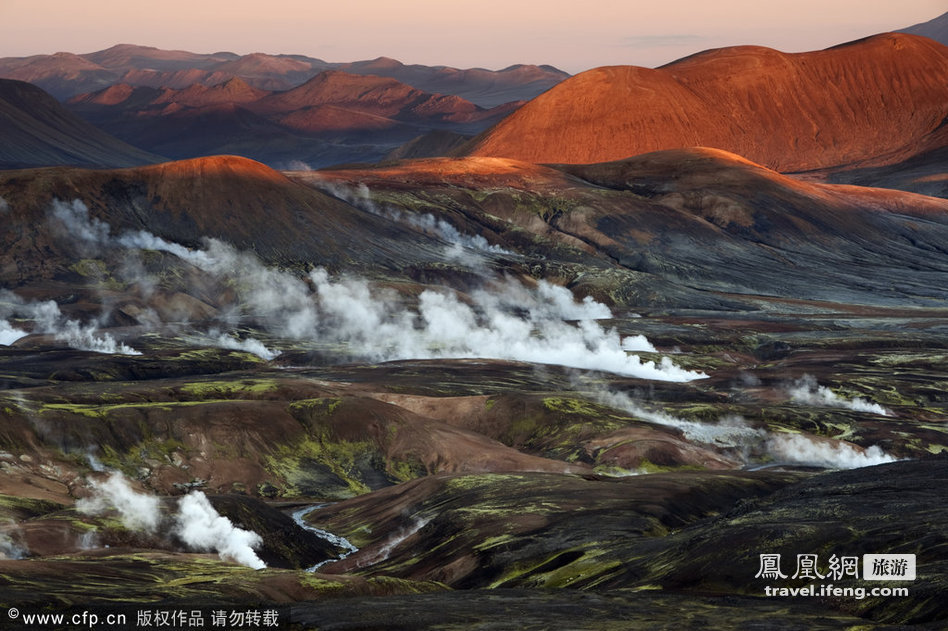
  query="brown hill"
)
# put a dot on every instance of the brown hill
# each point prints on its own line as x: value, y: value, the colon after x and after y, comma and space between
x: 235, y: 90
x: 685, y: 224
x: 328, y: 119
x: 324, y: 121
x: 368, y: 94
x: 434, y: 143
x: 875, y: 100
x: 258, y: 65
x: 177, y: 79
x: 58, y: 74
x: 117, y: 93
x: 487, y: 88
x: 124, y: 57
x: 38, y: 131
x: 235, y: 199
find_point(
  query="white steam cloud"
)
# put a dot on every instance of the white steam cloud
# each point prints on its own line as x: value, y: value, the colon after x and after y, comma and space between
x: 94, y: 463
x: 11, y: 545
x: 374, y: 555
x: 49, y: 320
x: 196, y: 523
x: 9, y: 334
x: 296, y: 165
x: 203, y: 528
x: 4, y: 205
x: 509, y: 321
x: 92, y: 234
x: 138, y: 511
x: 735, y: 435
x: 461, y: 247
x: 729, y: 432
x: 808, y: 392
x: 247, y: 345
x: 73, y: 217
x: 824, y: 453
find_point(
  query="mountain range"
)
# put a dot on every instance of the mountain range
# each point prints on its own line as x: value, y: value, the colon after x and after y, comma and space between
x: 333, y: 117
x: 586, y: 371
x: 872, y: 102
x: 65, y: 75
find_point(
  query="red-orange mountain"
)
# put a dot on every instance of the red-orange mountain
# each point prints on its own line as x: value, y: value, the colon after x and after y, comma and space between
x: 368, y: 94
x: 305, y: 123
x: 878, y: 100
x: 226, y: 197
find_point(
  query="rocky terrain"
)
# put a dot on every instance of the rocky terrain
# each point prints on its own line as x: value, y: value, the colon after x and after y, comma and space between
x: 483, y: 392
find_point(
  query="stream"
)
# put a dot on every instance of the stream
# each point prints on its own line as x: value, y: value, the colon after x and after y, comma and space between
x: 336, y: 540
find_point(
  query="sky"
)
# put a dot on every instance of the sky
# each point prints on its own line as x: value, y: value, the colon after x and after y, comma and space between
x: 462, y: 33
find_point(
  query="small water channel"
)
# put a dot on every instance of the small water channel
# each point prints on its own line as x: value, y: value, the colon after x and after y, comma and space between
x: 336, y: 540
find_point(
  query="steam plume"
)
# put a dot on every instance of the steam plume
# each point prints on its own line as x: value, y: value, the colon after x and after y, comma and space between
x: 94, y: 463
x: 504, y: 321
x: 10, y: 545
x: 203, y: 528
x: 138, y: 511
x: 731, y: 431
x: 460, y: 245
x: 836, y: 454
x: 807, y: 391
x: 48, y: 319
x: 248, y: 345
x: 196, y: 523
x: 9, y: 334
x: 296, y: 165
x: 384, y: 549
x: 734, y: 434
x: 73, y: 220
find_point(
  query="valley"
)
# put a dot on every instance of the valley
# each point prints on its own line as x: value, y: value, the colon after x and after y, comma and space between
x: 550, y: 377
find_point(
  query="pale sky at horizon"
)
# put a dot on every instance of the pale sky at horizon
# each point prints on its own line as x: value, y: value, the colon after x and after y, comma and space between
x: 463, y: 33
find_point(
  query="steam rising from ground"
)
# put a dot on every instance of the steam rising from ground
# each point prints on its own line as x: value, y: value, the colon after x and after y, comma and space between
x: 807, y: 391
x: 247, y: 345
x: 202, y: 528
x: 735, y: 435
x: 827, y: 453
x: 384, y: 549
x: 461, y: 246
x: 9, y: 334
x: 10, y: 547
x: 48, y: 319
x: 138, y: 511
x: 505, y: 320
x: 731, y: 431
x: 197, y: 523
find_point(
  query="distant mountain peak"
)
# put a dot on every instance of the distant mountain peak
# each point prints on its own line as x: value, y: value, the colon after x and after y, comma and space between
x: 386, y: 62
x: 936, y: 29
x: 880, y: 98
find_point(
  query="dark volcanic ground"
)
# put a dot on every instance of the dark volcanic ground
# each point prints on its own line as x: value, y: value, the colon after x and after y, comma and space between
x: 331, y: 351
